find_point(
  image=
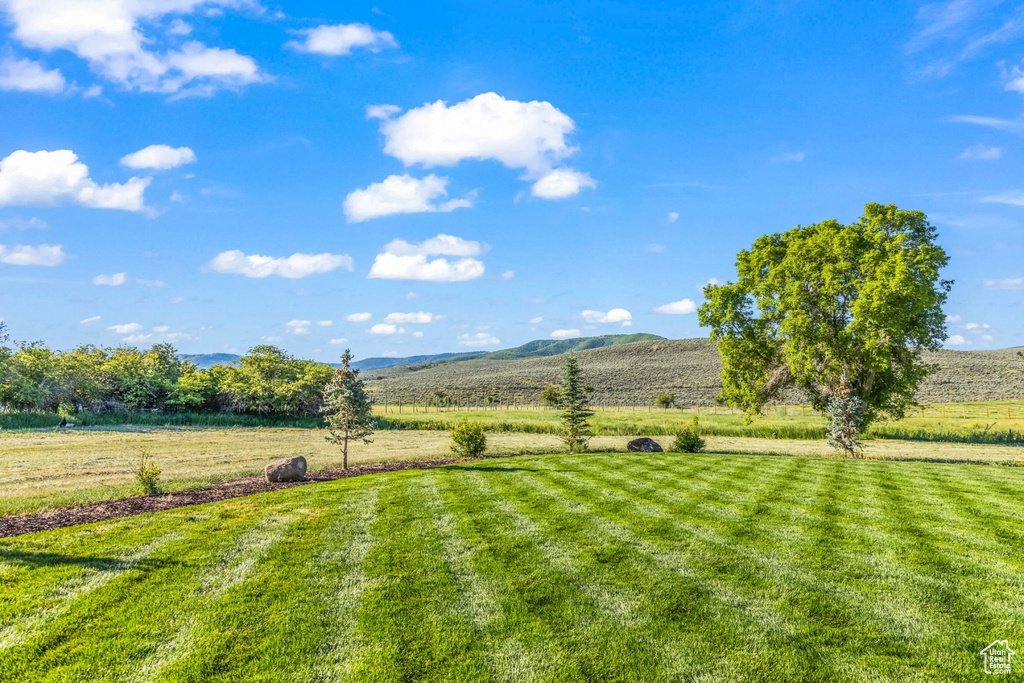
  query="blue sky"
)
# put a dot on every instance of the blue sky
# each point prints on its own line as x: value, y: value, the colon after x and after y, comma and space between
x: 424, y: 177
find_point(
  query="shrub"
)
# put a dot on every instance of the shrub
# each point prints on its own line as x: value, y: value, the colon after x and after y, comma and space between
x: 665, y: 400
x: 688, y: 439
x: 147, y: 476
x: 468, y: 440
x: 549, y: 395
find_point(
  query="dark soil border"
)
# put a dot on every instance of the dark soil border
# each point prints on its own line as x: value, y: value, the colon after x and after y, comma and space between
x: 16, y: 525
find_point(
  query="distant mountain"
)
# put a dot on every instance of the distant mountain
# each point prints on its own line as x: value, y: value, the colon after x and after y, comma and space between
x: 556, y: 347
x: 537, y: 348
x: 208, y: 360
x: 384, y: 363
x: 534, y: 349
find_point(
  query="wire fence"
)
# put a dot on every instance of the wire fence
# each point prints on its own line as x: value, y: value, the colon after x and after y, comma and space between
x: 993, y: 410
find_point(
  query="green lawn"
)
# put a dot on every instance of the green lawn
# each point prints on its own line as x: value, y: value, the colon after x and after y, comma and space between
x: 594, y: 567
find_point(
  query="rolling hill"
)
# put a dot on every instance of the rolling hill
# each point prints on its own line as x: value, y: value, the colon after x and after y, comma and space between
x: 634, y: 373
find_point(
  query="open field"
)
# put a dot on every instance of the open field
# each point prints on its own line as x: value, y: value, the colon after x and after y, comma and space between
x: 688, y: 368
x: 40, y: 470
x: 997, y: 422
x: 597, y: 567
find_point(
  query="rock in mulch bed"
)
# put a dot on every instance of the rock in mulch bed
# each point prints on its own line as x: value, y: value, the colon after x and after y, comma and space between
x: 126, y: 507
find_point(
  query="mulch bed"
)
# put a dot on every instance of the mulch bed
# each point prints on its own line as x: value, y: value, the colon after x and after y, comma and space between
x: 126, y: 507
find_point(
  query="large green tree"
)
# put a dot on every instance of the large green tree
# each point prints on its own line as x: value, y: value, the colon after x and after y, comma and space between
x: 347, y: 407
x: 574, y: 402
x: 835, y: 310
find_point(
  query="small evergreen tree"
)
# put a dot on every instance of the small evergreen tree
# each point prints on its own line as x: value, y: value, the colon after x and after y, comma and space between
x: 347, y: 407
x: 575, y: 410
x: 665, y: 400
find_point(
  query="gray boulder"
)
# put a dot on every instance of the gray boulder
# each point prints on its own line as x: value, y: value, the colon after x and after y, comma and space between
x: 644, y: 445
x: 286, y: 469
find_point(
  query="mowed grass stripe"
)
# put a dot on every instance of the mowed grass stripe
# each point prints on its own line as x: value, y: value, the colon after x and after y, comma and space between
x: 911, y: 603
x: 409, y: 624
x: 761, y: 577
x: 837, y: 560
x: 275, y: 622
x: 563, y: 614
x: 246, y: 553
x: 733, y: 625
x: 143, y: 607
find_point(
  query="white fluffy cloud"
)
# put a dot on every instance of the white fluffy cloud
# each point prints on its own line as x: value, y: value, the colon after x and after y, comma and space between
x: 339, y: 39
x: 419, y: 318
x: 90, y: 321
x: 29, y: 76
x: 957, y: 340
x: 297, y: 326
x: 159, y: 157
x: 673, y: 216
x: 292, y: 267
x: 953, y: 318
x: 338, y: 340
x: 529, y: 135
x: 47, y: 178
x: 508, y: 275
x: 24, y: 255
x: 538, y: 319
x: 616, y: 315
x: 325, y: 323
x: 561, y: 183
x: 358, y: 317
x: 1008, y: 283
x: 126, y: 328
x: 114, y: 280
x: 401, y: 194
x: 404, y: 261
x: 681, y: 307
x: 384, y: 328
x: 442, y: 245
x: 981, y: 153
x: 109, y: 35
x: 565, y: 334
x: 478, y: 339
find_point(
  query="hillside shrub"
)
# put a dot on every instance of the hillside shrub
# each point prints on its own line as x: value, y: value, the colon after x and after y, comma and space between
x: 468, y: 440
x: 147, y: 476
x: 688, y: 439
x: 664, y: 400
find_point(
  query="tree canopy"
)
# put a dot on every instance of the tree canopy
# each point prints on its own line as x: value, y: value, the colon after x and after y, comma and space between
x: 829, y: 303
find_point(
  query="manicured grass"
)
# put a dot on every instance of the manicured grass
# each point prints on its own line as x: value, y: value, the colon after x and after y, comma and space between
x: 994, y: 422
x: 593, y: 567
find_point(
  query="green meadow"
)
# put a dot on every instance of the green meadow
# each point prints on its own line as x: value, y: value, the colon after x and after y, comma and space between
x: 592, y: 567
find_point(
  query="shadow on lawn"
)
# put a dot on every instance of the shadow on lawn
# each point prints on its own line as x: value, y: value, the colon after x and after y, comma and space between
x: 46, y: 559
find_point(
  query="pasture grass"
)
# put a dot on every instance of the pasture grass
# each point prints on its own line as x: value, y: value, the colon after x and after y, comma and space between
x: 993, y: 422
x: 591, y: 567
x: 47, y: 469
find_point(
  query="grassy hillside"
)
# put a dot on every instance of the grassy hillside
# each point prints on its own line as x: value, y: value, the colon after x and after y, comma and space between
x: 689, y: 368
x: 533, y: 349
x: 595, y: 567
